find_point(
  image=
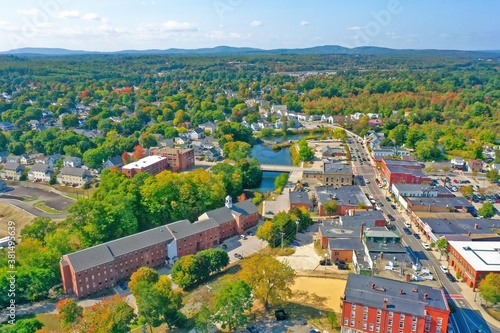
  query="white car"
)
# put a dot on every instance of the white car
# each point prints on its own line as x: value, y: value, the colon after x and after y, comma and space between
x: 444, y: 269
x: 367, y: 181
x: 426, y: 246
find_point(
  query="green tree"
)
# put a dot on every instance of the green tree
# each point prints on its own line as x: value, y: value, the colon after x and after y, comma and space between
x: 340, y: 133
x: 69, y: 313
x: 111, y: 315
x: 442, y: 245
x: 149, y: 141
x: 69, y: 120
x: 236, y: 150
x: 487, y: 211
x: 493, y: 175
x: 3, y: 141
x: 22, y: 326
x: 185, y: 271
x: 93, y: 158
x: 398, y: 134
x: 467, y: 191
x: 280, y: 182
x: 333, y: 320
x: 269, y: 279
x: 39, y: 228
x: 489, y: 287
x: 203, y: 320
x: 305, y: 153
x: 427, y: 150
x: 251, y: 174
x: 231, y: 303
x: 330, y: 207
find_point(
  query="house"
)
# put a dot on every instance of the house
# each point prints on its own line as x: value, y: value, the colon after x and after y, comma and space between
x: 150, y: 164
x: 13, y: 159
x: 457, y: 163
x: 208, y: 126
x: 34, y: 124
x: 495, y: 166
x: 383, y: 152
x: 12, y: 171
x: 315, y: 117
x: 474, y: 260
x: 40, y: 172
x: 113, y: 162
x: 374, y: 304
x: 300, y: 199
x: 474, y: 165
x: 335, y: 152
x: 197, y: 134
x: 213, y: 154
x: 73, y: 162
x: 25, y: 159
x: 70, y: 176
x: 7, y: 126
x: 370, y: 219
x: 280, y: 109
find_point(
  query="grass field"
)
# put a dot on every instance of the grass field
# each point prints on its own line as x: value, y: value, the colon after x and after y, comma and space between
x: 41, y: 205
x: 11, y: 213
x: 75, y: 192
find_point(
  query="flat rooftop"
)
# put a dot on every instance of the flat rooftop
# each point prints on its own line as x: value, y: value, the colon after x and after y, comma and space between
x: 144, y: 162
x: 451, y: 202
x: 482, y: 256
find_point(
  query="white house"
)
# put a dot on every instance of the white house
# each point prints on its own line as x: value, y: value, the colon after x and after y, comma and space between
x: 73, y: 162
x: 40, y: 172
x: 197, y: 134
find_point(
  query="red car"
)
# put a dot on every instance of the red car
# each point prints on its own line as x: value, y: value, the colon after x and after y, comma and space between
x: 455, y: 181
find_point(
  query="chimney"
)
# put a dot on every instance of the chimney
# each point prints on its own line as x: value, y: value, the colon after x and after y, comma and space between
x: 373, y: 285
x: 426, y: 296
x: 385, y: 303
x: 415, y: 290
x: 468, y: 234
x: 381, y: 255
x: 476, y: 226
x: 401, y: 291
x: 349, y: 201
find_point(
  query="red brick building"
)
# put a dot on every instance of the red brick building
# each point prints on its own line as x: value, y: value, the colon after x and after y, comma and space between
x: 101, y: 267
x: 406, y: 172
x: 474, y: 260
x: 348, y: 198
x: 150, y: 164
x: 372, y: 304
x: 300, y: 200
x: 178, y: 160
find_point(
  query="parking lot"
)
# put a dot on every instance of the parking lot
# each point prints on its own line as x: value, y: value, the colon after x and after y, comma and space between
x: 52, y: 200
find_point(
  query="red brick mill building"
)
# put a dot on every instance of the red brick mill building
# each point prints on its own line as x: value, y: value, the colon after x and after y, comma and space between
x: 372, y: 304
x: 100, y: 267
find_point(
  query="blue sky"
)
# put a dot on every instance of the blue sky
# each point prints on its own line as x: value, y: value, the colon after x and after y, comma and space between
x: 110, y: 25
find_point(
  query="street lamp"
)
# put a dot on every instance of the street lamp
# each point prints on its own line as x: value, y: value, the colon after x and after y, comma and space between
x: 297, y: 222
x: 326, y: 260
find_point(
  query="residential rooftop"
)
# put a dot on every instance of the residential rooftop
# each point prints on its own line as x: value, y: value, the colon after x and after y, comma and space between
x: 367, y: 217
x: 299, y: 198
x: 403, y: 297
x: 337, y: 168
x: 345, y: 195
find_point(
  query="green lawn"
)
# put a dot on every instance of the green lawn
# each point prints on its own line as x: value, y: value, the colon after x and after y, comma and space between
x: 41, y: 205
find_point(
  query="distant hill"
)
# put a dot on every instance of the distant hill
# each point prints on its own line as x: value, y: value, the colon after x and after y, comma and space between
x: 229, y: 50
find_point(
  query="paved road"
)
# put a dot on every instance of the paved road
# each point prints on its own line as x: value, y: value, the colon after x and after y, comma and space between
x: 466, y: 319
x: 28, y: 207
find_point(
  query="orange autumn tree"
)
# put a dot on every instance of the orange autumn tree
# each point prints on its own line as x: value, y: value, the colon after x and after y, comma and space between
x: 138, y: 152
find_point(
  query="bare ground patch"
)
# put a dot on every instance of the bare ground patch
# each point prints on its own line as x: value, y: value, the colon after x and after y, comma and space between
x: 11, y: 213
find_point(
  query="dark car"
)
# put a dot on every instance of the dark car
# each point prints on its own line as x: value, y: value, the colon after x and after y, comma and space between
x: 393, y: 207
x: 239, y: 256
x: 280, y: 314
x: 390, y: 217
x: 339, y: 262
x: 124, y: 285
x: 407, y: 231
x: 388, y: 199
x: 326, y: 262
x: 252, y: 329
x: 343, y: 267
x: 417, y: 236
x: 451, y: 277
x: 295, y: 243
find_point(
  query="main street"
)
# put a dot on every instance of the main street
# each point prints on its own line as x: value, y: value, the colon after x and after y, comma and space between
x: 465, y: 319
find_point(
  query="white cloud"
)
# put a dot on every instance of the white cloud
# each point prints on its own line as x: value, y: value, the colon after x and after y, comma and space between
x: 91, y: 16
x: 175, y: 26
x: 256, y: 24
x: 355, y: 28
x: 32, y: 11
x: 304, y: 23
x: 68, y: 14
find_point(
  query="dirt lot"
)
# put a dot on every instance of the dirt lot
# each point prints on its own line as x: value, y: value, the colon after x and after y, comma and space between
x: 318, y: 292
x: 11, y: 213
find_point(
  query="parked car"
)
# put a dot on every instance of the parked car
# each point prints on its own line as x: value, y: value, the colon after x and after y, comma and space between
x: 238, y: 256
x: 417, y: 236
x: 393, y: 207
x: 390, y: 217
x: 295, y: 243
x: 124, y: 285
x: 407, y: 231
x: 451, y: 277
x: 388, y: 199
x: 426, y: 246
x: 252, y: 329
x: 444, y: 269
x: 325, y: 262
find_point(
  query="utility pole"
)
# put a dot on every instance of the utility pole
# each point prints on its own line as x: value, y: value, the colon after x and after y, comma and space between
x: 282, y: 234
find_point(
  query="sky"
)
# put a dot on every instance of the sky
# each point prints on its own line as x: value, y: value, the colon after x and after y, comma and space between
x: 111, y: 25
